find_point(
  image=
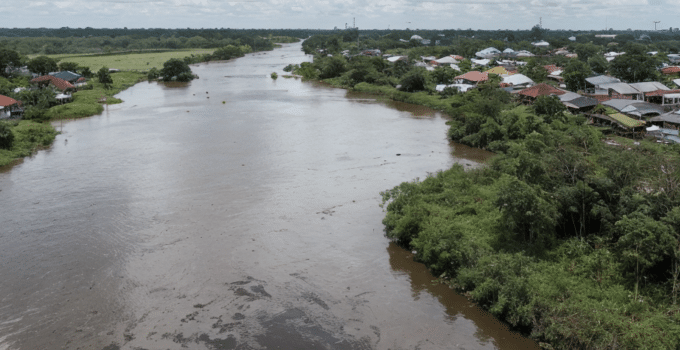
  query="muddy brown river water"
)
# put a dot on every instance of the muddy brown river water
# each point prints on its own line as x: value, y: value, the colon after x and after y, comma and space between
x: 236, y: 212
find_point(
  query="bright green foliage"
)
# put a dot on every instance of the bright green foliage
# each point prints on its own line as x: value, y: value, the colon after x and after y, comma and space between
x: 8, y: 58
x: 104, y: 77
x: 42, y: 65
x: 331, y: 67
x: 176, y: 69
x: 153, y: 74
x: 575, y: 74
x: 28, y: 137
x: 68, y: 66
x: 635, y: 65
x: 274, y: 75
x: 643, y: 243
x: 560, y: 235
x: 598, y: 64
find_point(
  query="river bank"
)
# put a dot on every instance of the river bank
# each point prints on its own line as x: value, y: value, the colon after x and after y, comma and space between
x: 176, y: 220
x: 548, y: 237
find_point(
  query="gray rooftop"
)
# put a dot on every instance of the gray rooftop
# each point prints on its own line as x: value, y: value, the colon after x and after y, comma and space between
x: 621, y: 88
x: 649, y: 86
x: 602, y: 79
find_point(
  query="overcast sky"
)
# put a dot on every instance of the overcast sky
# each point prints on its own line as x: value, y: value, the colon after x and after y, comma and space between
x: 369, y: 14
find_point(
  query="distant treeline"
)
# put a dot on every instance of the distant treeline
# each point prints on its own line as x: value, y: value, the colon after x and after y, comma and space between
x: 89, y: 40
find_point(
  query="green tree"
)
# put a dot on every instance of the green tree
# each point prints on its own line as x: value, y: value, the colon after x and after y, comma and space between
x: 598, y: 64
x: 6, y: 136
x: 635, y: 65
x: 153, y: 73
x: 643, y: 243
x: 42, y: 65
x: 534, y: 70
x: 415, y: 80
x: 526, y: 211
x: 586, y: 51
x: 575, y: 74
x: 176, y: 68
x: 331, y: 67
x: 549, y: 106
x: 104, y: 77
x: 69, y: 66
x: 8, y: 59
x: 86, y: 72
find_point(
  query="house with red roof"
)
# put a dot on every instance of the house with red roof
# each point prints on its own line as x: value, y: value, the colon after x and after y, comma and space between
x: 472, y: 78
x: 670, y: 70
x: 58, y: 83
x: 9, y: 107
x: 543, y: 89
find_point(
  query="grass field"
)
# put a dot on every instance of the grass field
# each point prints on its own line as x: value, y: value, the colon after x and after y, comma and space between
x: 128, y: 61
x: 85, y: 102
x: 28, y: 137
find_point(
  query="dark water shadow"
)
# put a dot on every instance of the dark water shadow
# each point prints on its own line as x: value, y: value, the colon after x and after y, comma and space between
x: 422, y: 281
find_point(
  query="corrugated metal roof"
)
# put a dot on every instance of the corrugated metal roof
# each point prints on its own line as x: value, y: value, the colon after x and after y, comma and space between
x: 649, y: 86
x: 568, y: 96
x: 517, y: 79
x: 602, y: 79
x: 618, y: 104
x: 621, y: 88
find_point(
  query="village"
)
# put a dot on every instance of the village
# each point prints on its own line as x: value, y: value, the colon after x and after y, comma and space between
x: 634, y: 109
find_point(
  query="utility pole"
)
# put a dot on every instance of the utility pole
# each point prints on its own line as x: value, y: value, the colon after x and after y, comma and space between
x: 655, y: 22
x: 540, y: 22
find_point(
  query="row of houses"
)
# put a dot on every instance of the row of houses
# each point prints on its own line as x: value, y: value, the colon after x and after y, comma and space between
x: 64, y: 82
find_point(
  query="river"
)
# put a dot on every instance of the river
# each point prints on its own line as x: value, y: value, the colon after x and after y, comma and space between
x: 234, y: 212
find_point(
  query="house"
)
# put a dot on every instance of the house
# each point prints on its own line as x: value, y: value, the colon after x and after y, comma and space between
x: 541, y: 43
x: 397, y: 58
x: 650, y: 90
x: 60, y: 84
x: 9, y: 107
x: 524, y: 53
x: 459, y: 87
x: 638, y: 109
x: 446, y: 60
x: 489, y: 52
x: 581, y: 104
x: 622, y: 91
x: 472, y: 78
x: 674, y: 57
x: 497, y: 70
x: 593, y: 83
x: 518, y: 81
x: 670, y: 70
x: 543, y: 89
x: 67, y: 76
x: 483, y: 62
x: 667, y: 120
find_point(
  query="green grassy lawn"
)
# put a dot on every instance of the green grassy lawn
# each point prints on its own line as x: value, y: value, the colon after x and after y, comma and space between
x: 128, y: 61
x: 85, y: 102
x: 28, y: 137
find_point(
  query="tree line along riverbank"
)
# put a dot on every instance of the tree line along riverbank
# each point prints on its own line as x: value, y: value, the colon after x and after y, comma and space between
x: 571, y: 237
x: 20, y: 138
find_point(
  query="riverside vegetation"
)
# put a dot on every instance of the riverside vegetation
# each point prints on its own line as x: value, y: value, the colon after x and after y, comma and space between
x: 571, y: 240
x: 20, y: 138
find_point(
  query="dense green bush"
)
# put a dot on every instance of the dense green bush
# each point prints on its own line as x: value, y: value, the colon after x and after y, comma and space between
x: 6, y: 135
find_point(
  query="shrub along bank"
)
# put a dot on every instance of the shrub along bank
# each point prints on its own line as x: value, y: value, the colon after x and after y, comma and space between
x: 21, y: 138
x: 570, y: 240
